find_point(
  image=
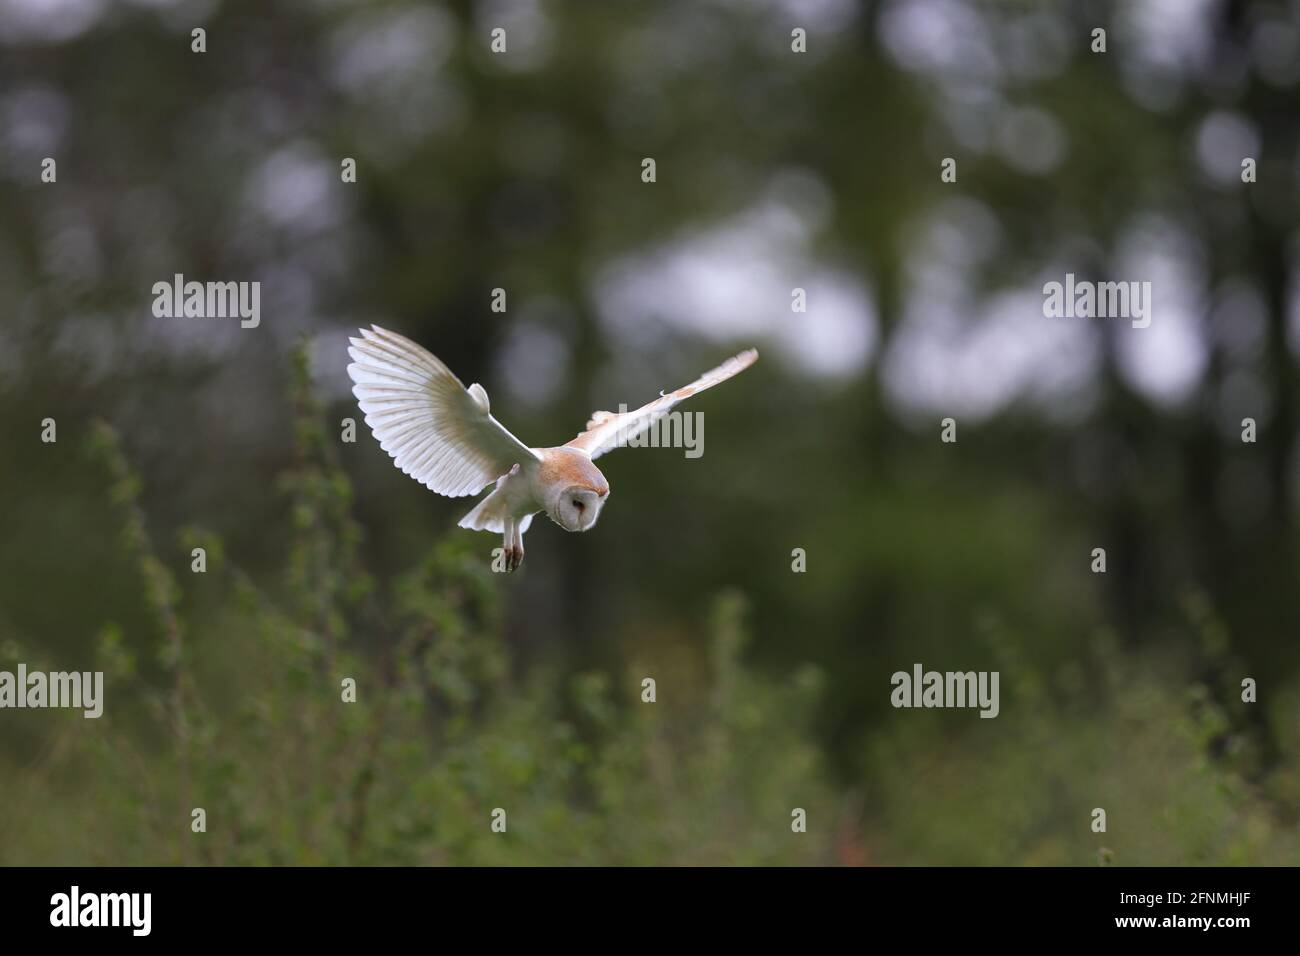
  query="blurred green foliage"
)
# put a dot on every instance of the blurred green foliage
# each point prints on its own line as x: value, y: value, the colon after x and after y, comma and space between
x: 1120, y: 690
x: 242, y: 714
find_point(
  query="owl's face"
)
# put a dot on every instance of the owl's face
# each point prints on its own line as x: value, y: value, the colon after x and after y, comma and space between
x: 577, y: 508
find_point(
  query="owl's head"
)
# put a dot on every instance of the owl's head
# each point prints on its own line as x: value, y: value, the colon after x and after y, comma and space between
x: 577, y: 508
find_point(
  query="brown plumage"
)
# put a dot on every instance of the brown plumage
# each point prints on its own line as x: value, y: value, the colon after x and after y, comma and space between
x: 571, y: 467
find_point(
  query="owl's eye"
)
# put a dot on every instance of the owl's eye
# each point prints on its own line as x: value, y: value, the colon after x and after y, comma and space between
x: 578, y: 504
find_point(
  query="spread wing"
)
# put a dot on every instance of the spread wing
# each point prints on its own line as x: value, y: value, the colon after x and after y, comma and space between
x: 438, y: 432
x: 608, y: 430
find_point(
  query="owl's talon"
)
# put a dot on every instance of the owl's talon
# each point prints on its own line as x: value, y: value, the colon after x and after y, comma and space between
x: 514, y: 558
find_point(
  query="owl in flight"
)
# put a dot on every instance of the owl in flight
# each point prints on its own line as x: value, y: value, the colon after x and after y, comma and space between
x: 443, y: 435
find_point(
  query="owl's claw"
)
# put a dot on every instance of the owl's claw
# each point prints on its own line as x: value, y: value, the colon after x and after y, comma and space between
x: 513, y: 540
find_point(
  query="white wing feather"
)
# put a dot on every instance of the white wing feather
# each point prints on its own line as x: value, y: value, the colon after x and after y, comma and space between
x: 437, y: 431
x: 608, y: 430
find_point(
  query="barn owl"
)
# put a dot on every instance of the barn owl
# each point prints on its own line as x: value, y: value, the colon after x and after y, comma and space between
x: 443, y: 435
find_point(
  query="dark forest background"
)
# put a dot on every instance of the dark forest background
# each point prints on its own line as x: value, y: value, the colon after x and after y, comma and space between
x: 776, y: 170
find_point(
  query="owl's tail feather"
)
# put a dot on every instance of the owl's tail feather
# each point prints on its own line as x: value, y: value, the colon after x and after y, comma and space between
x: 490, y: 515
